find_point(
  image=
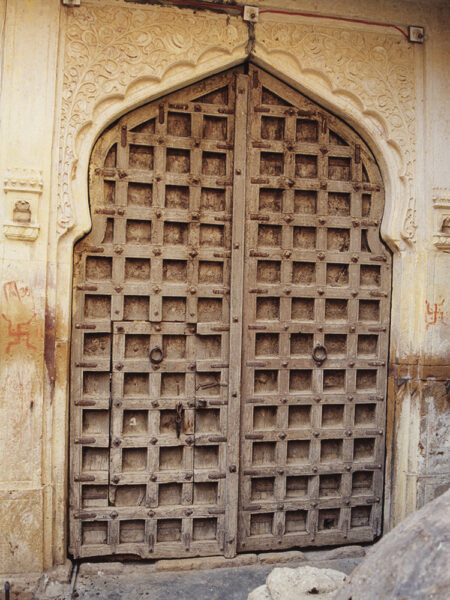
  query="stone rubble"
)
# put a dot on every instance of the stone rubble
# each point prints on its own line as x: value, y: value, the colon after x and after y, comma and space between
x: 285, y: 583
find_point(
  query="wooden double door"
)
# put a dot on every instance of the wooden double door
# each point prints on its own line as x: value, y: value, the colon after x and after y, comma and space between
x: 230, y: 329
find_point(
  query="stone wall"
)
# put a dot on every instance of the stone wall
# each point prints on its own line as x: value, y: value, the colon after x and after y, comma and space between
x: 68, y: 72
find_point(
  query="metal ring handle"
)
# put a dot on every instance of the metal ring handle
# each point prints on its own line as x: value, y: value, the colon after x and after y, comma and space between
x: 156, y: 355
x: 319, y: 354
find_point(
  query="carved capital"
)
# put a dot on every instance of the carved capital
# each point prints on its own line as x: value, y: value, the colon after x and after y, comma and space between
x: 23, y: 190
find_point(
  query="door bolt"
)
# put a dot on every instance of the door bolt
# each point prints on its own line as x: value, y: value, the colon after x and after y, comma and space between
x: 235, y: 319
x: 238, y: 171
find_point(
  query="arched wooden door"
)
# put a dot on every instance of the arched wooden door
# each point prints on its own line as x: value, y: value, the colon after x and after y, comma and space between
x: 230, y: 329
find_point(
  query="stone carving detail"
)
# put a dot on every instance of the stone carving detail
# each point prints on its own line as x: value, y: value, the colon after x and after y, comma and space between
x: 441, y: 205
x: 110, y: 47
x: 23, y: 189
x: 375, y: 69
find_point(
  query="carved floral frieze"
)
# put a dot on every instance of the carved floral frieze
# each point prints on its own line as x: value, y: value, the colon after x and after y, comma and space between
x: 110, y: 48
x: 107, y: 48
x: 374, y: 70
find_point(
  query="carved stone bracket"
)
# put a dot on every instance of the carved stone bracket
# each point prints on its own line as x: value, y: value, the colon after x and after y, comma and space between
x: 23, y: 190
x: 441, y: 231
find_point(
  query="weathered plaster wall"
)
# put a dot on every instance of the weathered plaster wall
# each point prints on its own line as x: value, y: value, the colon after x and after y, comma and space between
x: 69, y: 72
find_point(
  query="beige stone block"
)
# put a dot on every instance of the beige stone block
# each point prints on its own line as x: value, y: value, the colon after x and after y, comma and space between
x: 299, y: 584
x: 96, y: 569
x: 208, y: 562
x: 272, y: 558
x: 335, y: 553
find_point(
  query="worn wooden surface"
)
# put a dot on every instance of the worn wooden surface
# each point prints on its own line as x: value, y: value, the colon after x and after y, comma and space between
x: 236, y: 169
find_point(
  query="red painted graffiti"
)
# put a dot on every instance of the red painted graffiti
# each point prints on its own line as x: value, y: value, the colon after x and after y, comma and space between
x: 435, y: 313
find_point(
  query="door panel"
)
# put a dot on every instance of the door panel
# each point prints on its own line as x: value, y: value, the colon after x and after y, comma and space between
x: 316, y: 298
x: 230, y: 329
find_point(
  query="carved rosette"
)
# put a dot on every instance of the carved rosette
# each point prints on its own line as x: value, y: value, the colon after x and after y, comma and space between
x: 375, y: 70
x: 108, y: 48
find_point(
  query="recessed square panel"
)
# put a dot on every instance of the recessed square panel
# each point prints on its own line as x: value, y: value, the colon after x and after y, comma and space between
x: 204, y: 529
x: 264, y: 417
x: 302, y: 309
x: 210, y: 272
x: 271, y: 163
x: 177, y: 197
x: 109, y: 192
x: 209, y: 309
x: 179, y: 124
x: 169, y: 494
x: 338, y: 239
x: 175, y: 271
x: 178, y: 160
x: 295, y: 521
x: 330, y: 486
x: 207, y: 420
x: 94, y: 532
x: 369, y: 310
x: 212, y: 236
x: 263, y: 453
x: 298, y: 452
x: 302, y: 344
x: 168, y: 424
x: 364, y: 449
x: 98, y: 268
x: 137, y: 269
x: 135, y: 384
x: 272, y: 128
x: 333, y: 416
x: 141, y: 157
x: 366, y: 379
x: 94, y: 496
x: 300, y: 380
x: 328, y: 519
x: 137, y: 346
x: 95, y: 459
x: 306, y: 166
x: 336, y: 310
x: 214, y: 163
x: 360, y: 516
x: 96, y: 383
x: 368, y: 345
x: 366, y: 203
x: 266, y: 344
x: 135, y: 308
x: 175, y: 234
x: 362, y: 483
x: 334, y: 380
x: 173, y: 309
x: 97, y: 307
x: 365, y: 415
x: 303, y: 273
x: 268, y: 271
x: 370, y: 276
x: 207, y: 384
x: 262, y: 488
x: 97, y: 344
x: 205, y: 493
x: 135, y: 422
x: 270, y: 200
x: 266, y: 381
x: 269, y: 236
x: 212, y: 199
x: 170, y: 458
x: 132, y: 532
x: 338, y: 204
x: 336, y: 345
x: 299, y: 417
x: 140, y: 194
x: 337, y: 275
x: 172, y: 384
x: 215, y: 128
x: 134, y: 459
x: 209, y: 346
x: 306, y: 130
x: 339, y: 168
x: 331, y: 450
x: 138, y: 232
x: 267, y: 309
x: 304, y: 238
x: 206, y: 457
x: 168, y: 530
x: 297, y: 486
x: 305, y: 202
x: 261, y: 524
x: 174, y: 347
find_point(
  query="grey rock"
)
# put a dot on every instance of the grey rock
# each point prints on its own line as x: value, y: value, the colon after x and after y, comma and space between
x: 412, y: 561
x: 261, y: 593
x: 303, y: 582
